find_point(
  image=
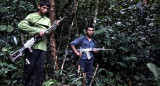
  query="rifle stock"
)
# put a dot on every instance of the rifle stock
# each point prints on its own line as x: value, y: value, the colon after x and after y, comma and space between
x: 15, y: 55
x: 19, y: 53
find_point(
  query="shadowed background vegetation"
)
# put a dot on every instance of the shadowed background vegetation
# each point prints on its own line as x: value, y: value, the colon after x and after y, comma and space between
x: 134, y: 35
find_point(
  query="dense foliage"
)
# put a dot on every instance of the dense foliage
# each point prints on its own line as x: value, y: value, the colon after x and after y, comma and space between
x: 134, y: 35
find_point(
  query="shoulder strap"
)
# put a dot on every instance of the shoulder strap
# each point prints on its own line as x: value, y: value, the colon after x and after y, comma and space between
x: 32, y: 23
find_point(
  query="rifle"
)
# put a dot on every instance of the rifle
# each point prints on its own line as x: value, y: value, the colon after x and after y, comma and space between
x: 87, y: 50
x: 29, y: 43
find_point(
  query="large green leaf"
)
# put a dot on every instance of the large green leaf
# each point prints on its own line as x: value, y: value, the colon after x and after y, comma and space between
x: 3, y: 27
x: 10, y: 28
x: 154, y: 69
x: 4, y: 9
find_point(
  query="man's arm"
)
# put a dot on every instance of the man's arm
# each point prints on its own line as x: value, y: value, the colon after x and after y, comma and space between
x: 25, y: 26
x: 77, y: 53
x: 28, y: 24
x: 76, y: 42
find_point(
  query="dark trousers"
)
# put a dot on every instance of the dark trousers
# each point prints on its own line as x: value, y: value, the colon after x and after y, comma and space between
x: 86, y: 66
x: 33, y: 72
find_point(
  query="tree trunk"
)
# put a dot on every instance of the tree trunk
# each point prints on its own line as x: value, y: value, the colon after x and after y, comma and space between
x: 52, y: 38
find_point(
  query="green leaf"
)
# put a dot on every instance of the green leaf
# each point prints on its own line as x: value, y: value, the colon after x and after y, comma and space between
x: 154, y: 69
x: 2, y: 74
x: 133, y: 58
x: 140, y: 44
x: 4, y: 9
x: 107, y: 35
x: 2, y: 42
x: 122, y: 64
x: 123, y: 48
x: 12, y: 67
x: 4, y: 49
x: 148, y: 42
x: 15, y: 1
x: 99, y: 32
x: 110, y: 29
x: 110, y: 74
x: 130, y: 58
x: 5, y: 70
x: 10, y: 28
x: 3, y: 0
x: 3, y: 27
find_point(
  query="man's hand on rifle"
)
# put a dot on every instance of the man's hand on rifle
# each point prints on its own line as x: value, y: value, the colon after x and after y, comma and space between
x: 79, y: 54
x: 41, y: 33
x: 58, y: 22
x: 95, y: 51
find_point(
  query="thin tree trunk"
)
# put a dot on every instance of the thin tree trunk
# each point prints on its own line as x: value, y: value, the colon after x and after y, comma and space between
x: 52, y: 38
x: 96, y: 12
x: 130, y: 82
